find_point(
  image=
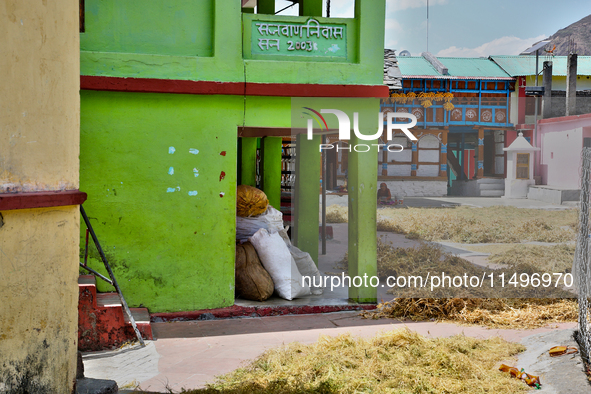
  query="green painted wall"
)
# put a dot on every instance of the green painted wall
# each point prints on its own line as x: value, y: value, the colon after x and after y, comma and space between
x: 121, y: 43
x: 180, y: 27
x: 171, y: 251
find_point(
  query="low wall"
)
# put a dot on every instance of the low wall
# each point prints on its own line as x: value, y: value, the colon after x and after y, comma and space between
x: 412, y: 188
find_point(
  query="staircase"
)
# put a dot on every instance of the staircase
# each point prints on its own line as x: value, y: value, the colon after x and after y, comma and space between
x: 102, y: 324
x: 484, y: 187
x: 491, y: 187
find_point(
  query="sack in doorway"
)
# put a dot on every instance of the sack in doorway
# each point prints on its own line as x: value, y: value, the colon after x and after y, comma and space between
x: 305, y: 264
x: 253, y: 282
x: 271, y: 220
x: 277, y: 260
x: 250, y: 201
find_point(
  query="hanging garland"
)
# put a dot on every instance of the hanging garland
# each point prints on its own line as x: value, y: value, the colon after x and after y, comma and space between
x: 426, y: 99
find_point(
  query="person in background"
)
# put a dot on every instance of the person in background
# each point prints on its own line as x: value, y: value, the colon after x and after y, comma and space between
x: 384, y: 195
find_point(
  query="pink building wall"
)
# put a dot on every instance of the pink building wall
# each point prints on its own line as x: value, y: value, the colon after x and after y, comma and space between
x: 561, y: 141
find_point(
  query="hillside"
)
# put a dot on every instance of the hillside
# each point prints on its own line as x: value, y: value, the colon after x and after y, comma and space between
x: 579, y: 31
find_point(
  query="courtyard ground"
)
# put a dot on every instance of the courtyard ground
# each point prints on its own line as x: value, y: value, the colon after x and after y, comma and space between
x: 190, y: 354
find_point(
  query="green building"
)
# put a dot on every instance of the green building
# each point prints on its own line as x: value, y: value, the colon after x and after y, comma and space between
x: 175, y: 98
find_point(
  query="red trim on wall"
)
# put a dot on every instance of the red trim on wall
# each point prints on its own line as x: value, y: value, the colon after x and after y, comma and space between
x: 151, y: 85
x: 10, y: 201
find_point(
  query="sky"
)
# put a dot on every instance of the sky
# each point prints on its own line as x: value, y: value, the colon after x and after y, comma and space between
x: 467, y: 28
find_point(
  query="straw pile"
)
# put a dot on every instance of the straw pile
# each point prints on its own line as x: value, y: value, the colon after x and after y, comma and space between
x: 398, y: 361
x: 516, y: 313
x: 337, y: 214
x: 481, y: 225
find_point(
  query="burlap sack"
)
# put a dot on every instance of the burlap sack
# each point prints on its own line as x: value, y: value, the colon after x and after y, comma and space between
x: 253, y: 282
x: 250, y: 201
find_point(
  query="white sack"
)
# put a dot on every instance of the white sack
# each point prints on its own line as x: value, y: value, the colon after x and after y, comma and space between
x: 271, y: 220
x: 277, y: 260
x: 305, y: 264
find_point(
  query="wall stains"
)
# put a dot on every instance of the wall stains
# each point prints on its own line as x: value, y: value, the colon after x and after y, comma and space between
x: 222, y: 175
x: 223, y: 153
x: 222, y: 194
x: 24, y: 376
x: 1, y: 220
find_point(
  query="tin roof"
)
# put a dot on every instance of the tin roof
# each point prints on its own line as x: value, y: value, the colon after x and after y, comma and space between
x: 411, y: 66
x: 526, y: 65
x: 458, y: 68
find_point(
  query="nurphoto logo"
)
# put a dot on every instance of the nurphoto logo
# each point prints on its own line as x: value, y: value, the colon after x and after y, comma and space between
x: 345, y: 129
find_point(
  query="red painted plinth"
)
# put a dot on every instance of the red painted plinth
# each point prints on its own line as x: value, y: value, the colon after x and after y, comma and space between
x: 103, y: 327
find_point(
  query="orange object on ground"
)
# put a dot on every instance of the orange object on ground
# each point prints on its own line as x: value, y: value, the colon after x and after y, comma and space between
x: 531, y: 380
x: 562, y: 350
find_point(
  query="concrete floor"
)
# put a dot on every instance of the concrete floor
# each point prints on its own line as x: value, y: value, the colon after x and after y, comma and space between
x: 190, y: 354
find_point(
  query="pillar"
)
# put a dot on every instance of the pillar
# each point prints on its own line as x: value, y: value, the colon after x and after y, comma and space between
x: 480, y: 163
x: 248, y: 152
x: 461, y: 153
x: 362, y: 246
x: 571, y: 84
x: 414, y: 159
x: 307, y: 195
x: 266, y: 7
x: 443, y: 154
x: 547, y: 82
x: 311, y: 8
x: 271, y: 170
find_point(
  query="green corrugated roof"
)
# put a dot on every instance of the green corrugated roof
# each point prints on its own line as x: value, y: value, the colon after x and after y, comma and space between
x: 480, y: 68
x: 526, y: 65
x: 472, y: 67
x: 416, y: 65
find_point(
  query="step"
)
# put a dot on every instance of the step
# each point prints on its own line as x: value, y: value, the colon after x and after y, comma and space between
x: 108, y: 300
x: 102, y: 323
x: 492, y: 186
x: 142, y: 321
x: 87, y: 280
x: 140, y: 315
x: 492, y: 193
x: 553, y: 195
x: 491, y: 180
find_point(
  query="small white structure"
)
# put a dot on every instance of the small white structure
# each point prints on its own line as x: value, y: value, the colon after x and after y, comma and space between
x: 520, y: 168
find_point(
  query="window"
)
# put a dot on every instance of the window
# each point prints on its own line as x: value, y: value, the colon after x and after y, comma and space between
x: 522, y: 166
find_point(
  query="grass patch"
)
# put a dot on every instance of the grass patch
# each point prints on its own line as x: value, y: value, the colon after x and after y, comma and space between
x: 481, y: 225
x: 337, y: 214
x: 515, y: 313
x: 398, y: 361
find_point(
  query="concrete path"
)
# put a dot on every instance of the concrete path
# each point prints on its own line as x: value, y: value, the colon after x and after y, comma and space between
x: 433, y: 202
x: 564, y: 374
x: 190, y: 354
